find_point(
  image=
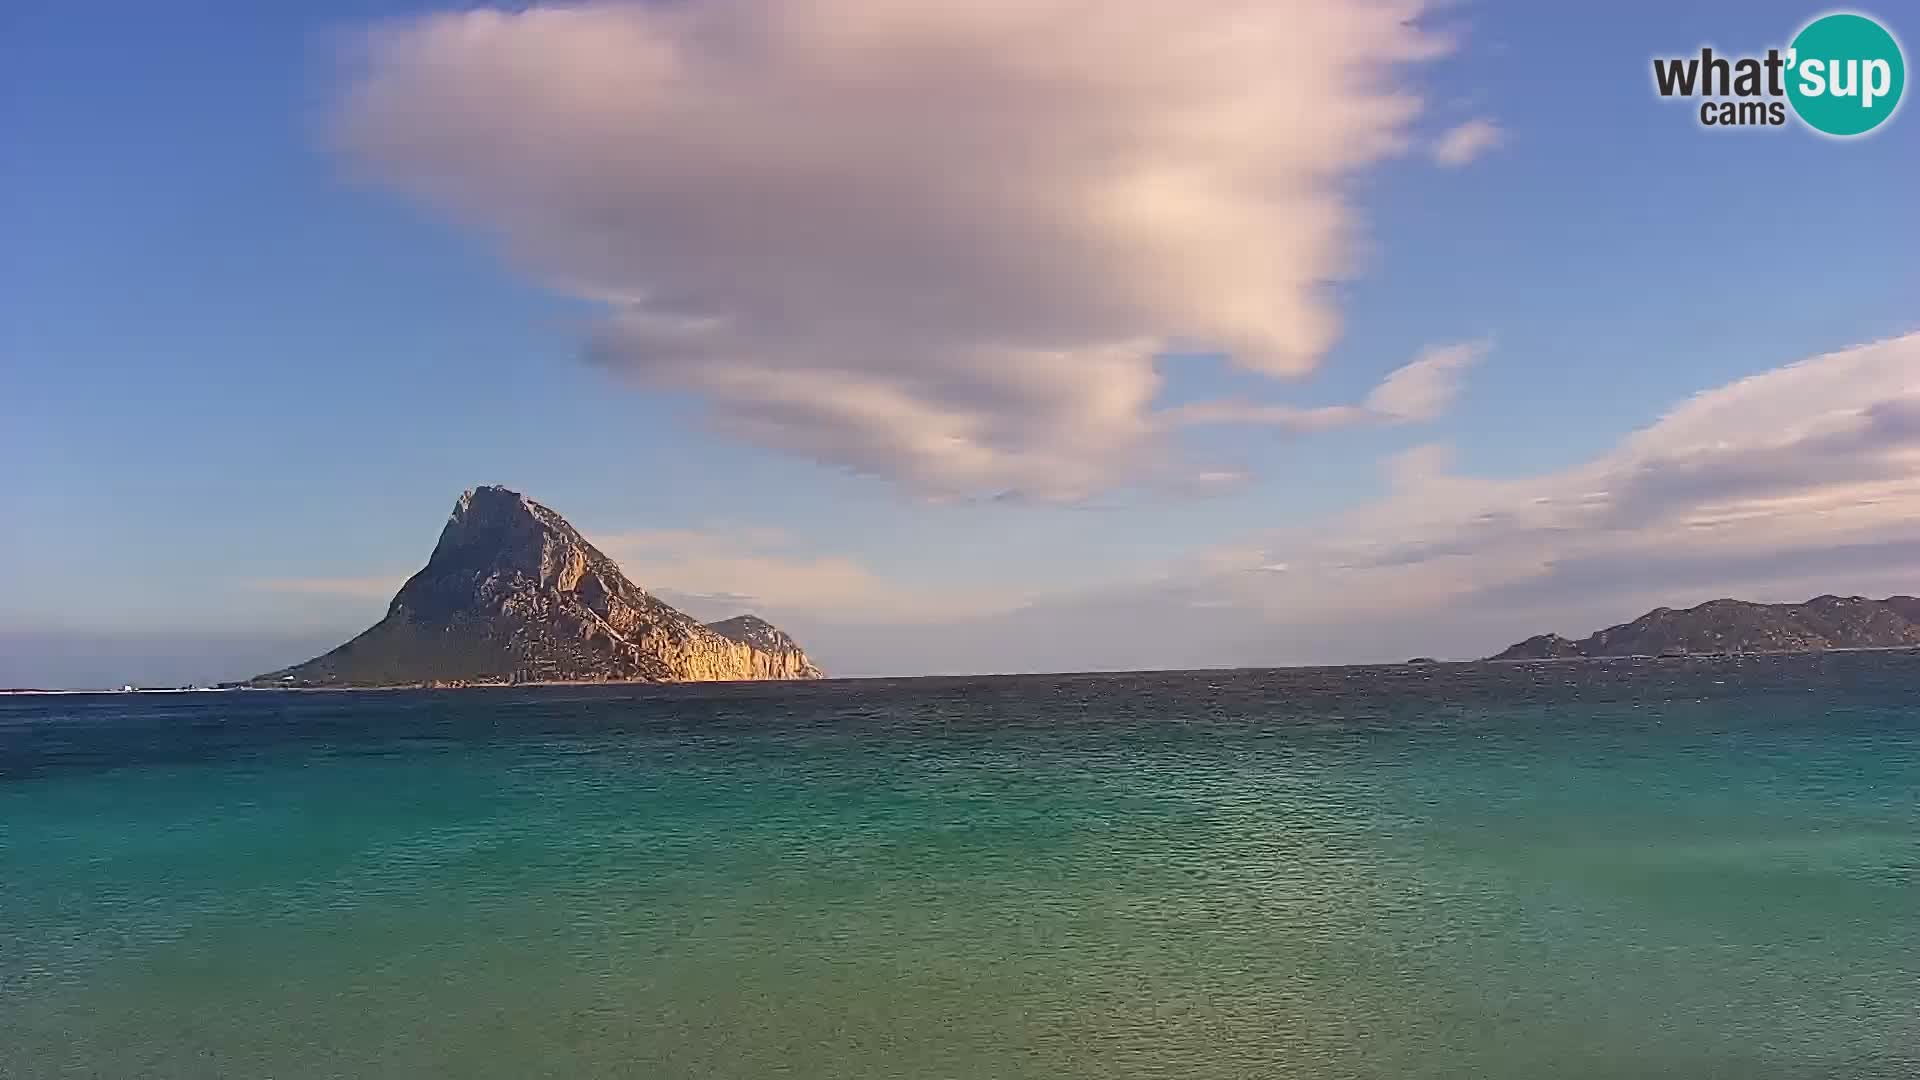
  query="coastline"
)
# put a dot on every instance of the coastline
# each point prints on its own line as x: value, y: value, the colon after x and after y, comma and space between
x: 1392, y: 665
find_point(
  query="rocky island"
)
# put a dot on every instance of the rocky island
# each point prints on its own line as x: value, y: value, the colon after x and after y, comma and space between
x: 1737, y: 626
x: 512, y: 593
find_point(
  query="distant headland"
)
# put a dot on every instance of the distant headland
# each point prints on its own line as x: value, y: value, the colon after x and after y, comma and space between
x: 1737, y: 626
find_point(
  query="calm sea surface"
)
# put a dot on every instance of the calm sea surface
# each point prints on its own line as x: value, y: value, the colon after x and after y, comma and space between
x: 1622, y: 870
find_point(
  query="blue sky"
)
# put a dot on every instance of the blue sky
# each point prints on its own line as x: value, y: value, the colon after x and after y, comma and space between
x: 249, y: 364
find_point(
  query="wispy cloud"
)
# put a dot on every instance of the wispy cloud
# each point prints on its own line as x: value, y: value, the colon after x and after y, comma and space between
x: 720, y: 572
x: 1425, y: 388
x: 1800, y: 480
x: 1460, y: 145
x: 1421, y: 390
x: 943, y: 243
x: 1725, y: 492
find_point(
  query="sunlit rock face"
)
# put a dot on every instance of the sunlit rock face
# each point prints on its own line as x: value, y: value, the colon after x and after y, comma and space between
x: 512, y: 593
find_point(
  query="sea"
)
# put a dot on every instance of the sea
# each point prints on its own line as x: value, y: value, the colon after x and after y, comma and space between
x: 1688, y: 868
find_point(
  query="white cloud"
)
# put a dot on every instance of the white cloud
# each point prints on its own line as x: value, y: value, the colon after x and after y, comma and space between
x: 1424, y: 389
x: 938, y: 242
x: 1421, y: 390
x: 1291, y: 417
x: 1459, y: 145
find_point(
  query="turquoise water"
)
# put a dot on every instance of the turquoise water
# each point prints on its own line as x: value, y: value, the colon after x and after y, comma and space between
x: 1626, y: 870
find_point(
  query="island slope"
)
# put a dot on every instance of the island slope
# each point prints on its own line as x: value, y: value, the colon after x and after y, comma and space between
x: 513, y: 593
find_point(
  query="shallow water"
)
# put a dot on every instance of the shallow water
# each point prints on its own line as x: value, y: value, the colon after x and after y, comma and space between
x: 1633, y: 869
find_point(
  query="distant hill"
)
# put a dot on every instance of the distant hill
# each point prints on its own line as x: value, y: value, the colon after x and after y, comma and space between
x: 1736, y: 626
x: 512, y: 593
x: 754, y: 631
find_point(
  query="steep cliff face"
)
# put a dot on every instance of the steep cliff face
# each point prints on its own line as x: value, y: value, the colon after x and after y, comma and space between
x: 514, y: 593
x: 1724, y: 626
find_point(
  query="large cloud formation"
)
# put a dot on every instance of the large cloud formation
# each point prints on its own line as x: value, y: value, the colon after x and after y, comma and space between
x: 1796, y: 481
x: 939, y: 242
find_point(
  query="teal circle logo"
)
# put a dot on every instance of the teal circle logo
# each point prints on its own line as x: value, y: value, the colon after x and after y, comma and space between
x: 1845, y: 74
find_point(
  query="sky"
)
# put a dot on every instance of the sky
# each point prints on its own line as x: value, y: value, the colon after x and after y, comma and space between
x: 1008, y: 336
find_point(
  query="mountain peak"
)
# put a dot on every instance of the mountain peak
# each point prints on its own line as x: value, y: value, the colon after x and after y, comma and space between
x: 512, y: 592
x: 487, y: 499
x: 486, y: 514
